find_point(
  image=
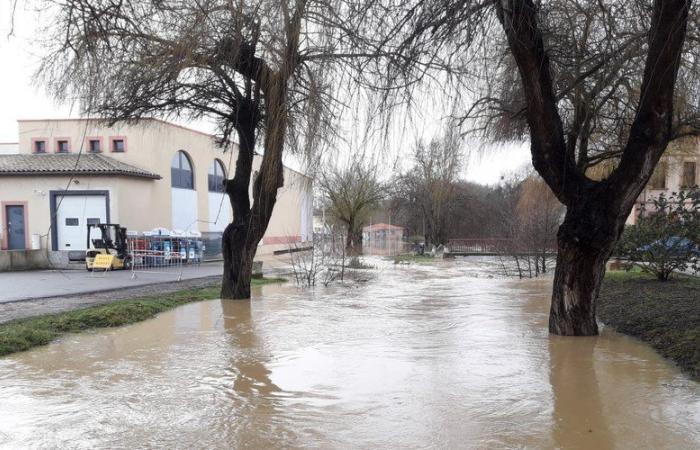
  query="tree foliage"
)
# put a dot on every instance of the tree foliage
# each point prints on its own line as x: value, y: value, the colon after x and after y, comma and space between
x: 595, y: 50
x: 666, y: 238
x: 537, y: 216
x: 351, y: 194
x: 430, y: 186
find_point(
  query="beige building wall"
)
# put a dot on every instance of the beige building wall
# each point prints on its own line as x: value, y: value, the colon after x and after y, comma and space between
x: 674, y: 158
x: 34, y: 192
x: 150, y: 145
x: 143, y: 204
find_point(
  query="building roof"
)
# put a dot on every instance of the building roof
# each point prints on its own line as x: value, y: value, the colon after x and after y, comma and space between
x: 71, y: 164
x: 381, y: 226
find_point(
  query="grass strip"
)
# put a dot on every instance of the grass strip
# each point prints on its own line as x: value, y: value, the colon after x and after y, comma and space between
x: 409, y: 258
x: 23, y: 334
x: 666, y: 315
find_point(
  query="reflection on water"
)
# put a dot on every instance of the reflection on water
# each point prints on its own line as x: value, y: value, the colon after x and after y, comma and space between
x: 441, y: 357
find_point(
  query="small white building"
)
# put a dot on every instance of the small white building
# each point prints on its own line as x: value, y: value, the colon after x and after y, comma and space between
x: 64, y: 174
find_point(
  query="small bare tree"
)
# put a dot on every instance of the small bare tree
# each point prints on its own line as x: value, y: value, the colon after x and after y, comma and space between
x: 539, y: 215
x: 351, y: 194
x: 430, y: 185
x: 325, y: 262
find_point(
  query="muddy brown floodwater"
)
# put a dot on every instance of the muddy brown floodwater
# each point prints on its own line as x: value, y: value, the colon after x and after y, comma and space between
x: 424, y: 356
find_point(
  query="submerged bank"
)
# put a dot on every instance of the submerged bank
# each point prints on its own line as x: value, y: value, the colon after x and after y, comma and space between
x: 666, y: 315
x: 23, y: 334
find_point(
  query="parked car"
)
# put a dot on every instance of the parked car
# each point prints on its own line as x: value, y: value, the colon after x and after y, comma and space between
x: 675, y: 245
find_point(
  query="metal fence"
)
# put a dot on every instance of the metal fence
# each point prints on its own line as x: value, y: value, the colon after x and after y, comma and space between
x: 164, y: 254
x: 479, y: 245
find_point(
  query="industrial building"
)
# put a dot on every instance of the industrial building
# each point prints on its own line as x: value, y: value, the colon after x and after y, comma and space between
x: 65, y: 173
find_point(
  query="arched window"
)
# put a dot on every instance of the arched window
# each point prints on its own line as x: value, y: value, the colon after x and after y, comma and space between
x: 217, y: 175
x: 181, y: 171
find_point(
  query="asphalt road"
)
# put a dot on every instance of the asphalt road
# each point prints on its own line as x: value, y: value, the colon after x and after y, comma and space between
x: 18, y: 286
x: 33, y: 293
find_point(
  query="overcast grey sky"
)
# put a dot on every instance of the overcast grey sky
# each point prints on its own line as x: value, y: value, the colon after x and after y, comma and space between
x: 21, y: 99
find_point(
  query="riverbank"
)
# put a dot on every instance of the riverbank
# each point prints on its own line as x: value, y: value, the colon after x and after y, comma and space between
x: 22, y: 334
x: 666, y: 315
x: 411, y: 258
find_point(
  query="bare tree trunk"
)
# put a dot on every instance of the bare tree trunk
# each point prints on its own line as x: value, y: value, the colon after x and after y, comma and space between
x: 544, y: 261
x: 353, y: 243
x: 240, y: 240
x: 596, y: 209
x: 239, y: 252
x: 517, y: 265
x: 584, y: 245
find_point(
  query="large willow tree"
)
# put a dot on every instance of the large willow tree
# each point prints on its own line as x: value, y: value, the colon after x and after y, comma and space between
x: 586, y: 81
x: 256, y: 67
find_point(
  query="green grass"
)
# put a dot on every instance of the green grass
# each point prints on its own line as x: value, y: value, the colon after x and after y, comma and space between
x: 635, y: 273
x: 666, y: 315
x: 421, y: 259
x: 264, y: 281
x: 23, y: 334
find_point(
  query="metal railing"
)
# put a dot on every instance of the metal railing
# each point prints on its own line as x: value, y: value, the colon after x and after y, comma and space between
x: 479, y: 245
x: 161, y: 254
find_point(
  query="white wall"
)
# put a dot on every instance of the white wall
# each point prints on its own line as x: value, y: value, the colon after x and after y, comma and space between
x: 307, y: 216
x: 184, y: 204
x: 9, y: 148
x: 219, y: 211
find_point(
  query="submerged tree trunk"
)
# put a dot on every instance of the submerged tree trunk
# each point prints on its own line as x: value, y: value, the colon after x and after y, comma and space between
x: 584, y: 243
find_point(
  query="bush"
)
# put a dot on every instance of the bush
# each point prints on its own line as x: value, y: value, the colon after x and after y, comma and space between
x: 666, y: 236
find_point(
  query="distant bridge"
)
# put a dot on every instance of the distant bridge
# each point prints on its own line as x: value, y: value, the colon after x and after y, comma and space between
x: 487, y: 247
x: 477, y: 246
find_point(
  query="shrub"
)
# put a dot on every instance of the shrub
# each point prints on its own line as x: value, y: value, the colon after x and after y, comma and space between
x: 666, y: 236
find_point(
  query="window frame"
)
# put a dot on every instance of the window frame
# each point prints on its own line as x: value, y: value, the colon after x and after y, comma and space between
x: 57, y: 145
x: 217, y: 164
x: 37, y: 140
x: 176, y: 173
x: 90, y: 139
x: 113, y: 140
x: 685, y: 185
x: 662, y: 165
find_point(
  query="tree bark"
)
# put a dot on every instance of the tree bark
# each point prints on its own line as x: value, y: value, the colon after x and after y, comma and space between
x: 577, y: 280
x: 238, y: 262
x: 240, y: 238
x: 353, y: 242
x: 585, y: 241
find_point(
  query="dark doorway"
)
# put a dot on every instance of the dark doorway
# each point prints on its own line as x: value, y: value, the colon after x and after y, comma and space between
x: 16, y: 238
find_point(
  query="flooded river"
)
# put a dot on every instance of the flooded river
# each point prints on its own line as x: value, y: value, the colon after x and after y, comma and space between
x: 423, y: 356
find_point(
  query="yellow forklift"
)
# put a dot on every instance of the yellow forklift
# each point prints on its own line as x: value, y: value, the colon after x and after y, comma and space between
x: 112, y: 241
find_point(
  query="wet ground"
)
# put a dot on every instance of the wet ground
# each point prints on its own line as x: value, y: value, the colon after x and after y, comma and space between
x: 34, y: 284
x: 422, y: 356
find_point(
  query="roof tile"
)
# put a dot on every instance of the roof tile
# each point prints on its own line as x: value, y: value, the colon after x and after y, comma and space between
x: 71, y: 164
